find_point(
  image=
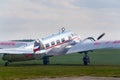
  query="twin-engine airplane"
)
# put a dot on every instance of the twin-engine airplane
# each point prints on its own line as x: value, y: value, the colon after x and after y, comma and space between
x: 61, y: 43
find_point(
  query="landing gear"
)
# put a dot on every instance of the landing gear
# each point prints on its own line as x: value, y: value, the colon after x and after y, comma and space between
x: 7, y: 63
x: 46, y: 60
x: 86, y: 59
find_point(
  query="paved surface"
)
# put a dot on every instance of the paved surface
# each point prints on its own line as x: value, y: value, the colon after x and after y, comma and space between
x: 78, y: 78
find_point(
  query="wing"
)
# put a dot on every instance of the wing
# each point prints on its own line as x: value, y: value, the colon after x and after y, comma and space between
x: 87, y: 46
x: 12, y: 44
x: 25, y: 49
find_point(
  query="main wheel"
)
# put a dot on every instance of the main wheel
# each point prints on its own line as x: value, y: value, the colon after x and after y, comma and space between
x: 45, y: 60
x: 7, y: 63
x: 86, y: 60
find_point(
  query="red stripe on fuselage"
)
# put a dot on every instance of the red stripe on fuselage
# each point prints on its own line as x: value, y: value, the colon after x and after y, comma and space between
x: 61, y: 43
x: 58, y: 44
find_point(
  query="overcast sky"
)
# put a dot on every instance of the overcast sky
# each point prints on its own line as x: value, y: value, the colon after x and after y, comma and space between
x: 27, y: 19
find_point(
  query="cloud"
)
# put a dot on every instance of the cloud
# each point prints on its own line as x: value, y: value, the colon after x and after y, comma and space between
x: 98, y: 4
x: 37, y: 18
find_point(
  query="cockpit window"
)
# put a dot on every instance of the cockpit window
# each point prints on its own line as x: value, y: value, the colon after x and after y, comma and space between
x: 69, y: 37
x: 72, y: 34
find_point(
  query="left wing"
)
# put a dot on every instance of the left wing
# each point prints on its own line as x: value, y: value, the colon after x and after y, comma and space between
x: 87, y: 46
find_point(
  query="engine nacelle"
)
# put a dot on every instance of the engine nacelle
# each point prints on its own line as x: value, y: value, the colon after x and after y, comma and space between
x: 18, y: 57
x: 21, y: 57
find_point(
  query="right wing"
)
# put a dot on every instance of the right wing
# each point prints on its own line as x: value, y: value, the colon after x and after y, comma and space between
x: 87, y: 46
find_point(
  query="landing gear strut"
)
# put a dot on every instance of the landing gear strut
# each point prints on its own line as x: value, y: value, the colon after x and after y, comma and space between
x: 86, y: 59
x: 46, y: 60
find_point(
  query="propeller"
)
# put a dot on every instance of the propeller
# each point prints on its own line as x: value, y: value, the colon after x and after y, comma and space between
x: 93, y: 39
x: 100, y: 36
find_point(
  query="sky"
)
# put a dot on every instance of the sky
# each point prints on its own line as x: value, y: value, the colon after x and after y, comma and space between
x: 34, y: 19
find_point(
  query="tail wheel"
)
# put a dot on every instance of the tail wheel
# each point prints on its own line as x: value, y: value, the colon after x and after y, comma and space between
x: 46, y: 60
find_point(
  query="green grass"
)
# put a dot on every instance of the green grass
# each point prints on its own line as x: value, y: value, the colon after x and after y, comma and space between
x: 9, y: 73
x: 103, y: 63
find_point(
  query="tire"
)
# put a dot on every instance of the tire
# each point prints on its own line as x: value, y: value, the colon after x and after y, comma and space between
x: 45, y: 60
x: 6, y: 63
x: 86, y: 60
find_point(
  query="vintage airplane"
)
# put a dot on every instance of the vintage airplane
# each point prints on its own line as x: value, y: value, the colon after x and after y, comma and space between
x: 61, y: 43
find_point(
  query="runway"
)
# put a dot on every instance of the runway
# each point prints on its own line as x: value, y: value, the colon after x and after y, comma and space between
x: 78, y: 78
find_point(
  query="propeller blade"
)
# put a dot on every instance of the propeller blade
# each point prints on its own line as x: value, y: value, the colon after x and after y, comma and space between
x: 101, y: 36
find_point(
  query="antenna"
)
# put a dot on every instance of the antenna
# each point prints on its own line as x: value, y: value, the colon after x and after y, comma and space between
x: 62, y: 29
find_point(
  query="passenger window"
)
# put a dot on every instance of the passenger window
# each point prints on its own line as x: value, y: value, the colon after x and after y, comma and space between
x: 58, y: 41
x: 47, y: 45
x: 52, y: 43
x: 63, y: 39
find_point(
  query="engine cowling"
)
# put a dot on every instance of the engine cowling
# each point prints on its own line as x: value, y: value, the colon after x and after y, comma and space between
x: 18, y: 57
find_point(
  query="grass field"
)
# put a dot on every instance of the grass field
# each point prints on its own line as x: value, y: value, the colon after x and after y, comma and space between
x: 103, y: 63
